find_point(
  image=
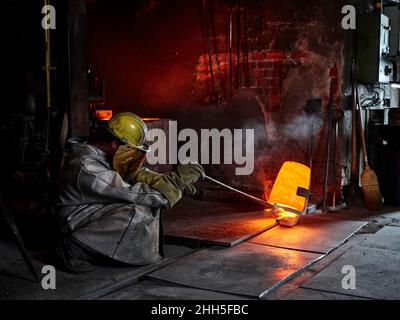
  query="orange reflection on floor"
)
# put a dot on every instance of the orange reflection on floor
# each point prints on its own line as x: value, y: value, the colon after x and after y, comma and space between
x: 292, y: 260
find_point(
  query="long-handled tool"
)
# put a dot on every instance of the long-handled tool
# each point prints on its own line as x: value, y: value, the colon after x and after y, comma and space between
x: 249, y: 196
x: 48, y: 68
x: 334, y: 166
x: 354, y: 162
x: 337, y: 116
x: 369, y: 180
x: 313, y: 107
x: 258, y: 200
x: 333, y: 74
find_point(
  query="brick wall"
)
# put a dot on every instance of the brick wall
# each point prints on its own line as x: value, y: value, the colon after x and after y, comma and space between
x: 265, y: 74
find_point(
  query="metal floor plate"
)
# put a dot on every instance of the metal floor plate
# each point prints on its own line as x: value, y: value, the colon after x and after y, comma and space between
x: 310, y: 234
x: 387, y: 238
x: 377, y: 274
x: 309, y: 294
x: 247, y: 269
x: 16, y: 282
x: 159, y: 290
x: 215, y: 223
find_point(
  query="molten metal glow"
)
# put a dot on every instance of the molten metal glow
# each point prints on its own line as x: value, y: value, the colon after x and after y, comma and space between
x: 284, y: 218
x: 151, y: 119
x: 104, y: 115
x: 291, y: 177
x: 281, y: 213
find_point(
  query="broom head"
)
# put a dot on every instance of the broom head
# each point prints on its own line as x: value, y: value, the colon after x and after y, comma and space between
x: 370, y: 187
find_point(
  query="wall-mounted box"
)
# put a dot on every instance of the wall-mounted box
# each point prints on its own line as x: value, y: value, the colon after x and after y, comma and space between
x: 393, y: 13
x: 373, y: 63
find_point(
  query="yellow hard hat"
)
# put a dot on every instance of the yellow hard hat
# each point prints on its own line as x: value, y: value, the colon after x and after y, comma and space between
x: 130, y: 129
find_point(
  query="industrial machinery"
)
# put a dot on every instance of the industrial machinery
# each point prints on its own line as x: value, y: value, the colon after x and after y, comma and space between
x: 378, y: 76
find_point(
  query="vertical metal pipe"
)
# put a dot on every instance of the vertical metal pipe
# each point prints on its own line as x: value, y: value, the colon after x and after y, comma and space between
x: 79, y: 104
x: 48, y: 62
x: 334, y: 165
x: 327, y: 155
x: 47, y: 68
x: 328, y: 147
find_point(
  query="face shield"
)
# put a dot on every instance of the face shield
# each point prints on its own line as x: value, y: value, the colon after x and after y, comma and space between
x: 128, y: 160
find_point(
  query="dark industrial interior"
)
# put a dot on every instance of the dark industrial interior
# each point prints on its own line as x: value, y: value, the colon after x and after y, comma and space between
x: 312, y: 88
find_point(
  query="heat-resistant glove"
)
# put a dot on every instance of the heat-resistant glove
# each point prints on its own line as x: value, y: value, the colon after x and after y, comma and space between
x: 187, y: 174
x: 160, y: 182
x: 190, y: 190
x: 171, y: 186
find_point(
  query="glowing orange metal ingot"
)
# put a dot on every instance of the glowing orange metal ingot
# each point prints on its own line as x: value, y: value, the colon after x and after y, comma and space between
x: 291, y: 186
x: 104, y: 115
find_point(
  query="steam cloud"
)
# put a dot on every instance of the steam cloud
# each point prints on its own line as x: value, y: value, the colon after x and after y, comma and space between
x: 297, y: 129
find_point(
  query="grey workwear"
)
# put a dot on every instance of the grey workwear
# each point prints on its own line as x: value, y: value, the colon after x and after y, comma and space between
x: 99, y: 209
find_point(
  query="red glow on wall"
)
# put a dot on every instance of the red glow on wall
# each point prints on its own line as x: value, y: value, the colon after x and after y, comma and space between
x: 266, y: 71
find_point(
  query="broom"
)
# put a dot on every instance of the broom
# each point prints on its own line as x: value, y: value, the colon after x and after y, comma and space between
x: 369, y: 180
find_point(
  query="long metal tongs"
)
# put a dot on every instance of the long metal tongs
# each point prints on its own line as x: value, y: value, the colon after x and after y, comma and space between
x: 249, y: 196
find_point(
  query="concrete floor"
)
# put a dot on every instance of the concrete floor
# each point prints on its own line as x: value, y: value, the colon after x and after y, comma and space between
x: 290, y: 273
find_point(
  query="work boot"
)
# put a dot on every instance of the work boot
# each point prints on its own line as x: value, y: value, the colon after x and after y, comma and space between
x: 69, y: 262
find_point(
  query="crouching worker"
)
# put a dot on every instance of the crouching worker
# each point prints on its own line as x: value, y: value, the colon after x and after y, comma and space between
x: 108, y: 205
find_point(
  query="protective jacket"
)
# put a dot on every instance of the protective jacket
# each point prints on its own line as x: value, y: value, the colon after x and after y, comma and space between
x: 98, y: 208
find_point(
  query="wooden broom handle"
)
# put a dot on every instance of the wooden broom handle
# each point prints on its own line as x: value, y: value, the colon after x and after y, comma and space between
x: 364, y: 146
